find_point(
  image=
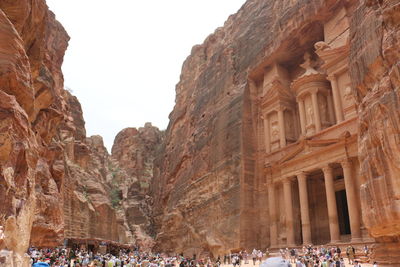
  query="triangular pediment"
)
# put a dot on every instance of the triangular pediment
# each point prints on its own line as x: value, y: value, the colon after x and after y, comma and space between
x: 278, y: 92
x: 305, y: 147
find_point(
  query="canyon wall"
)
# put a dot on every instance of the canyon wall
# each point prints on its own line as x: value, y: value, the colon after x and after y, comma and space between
x: 55, y: 183
x: 209, y: 186
x: 32, y: 108
x: 134, y: 151
x: 375, y: 59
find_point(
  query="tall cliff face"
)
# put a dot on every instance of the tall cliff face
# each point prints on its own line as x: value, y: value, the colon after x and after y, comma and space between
x: 134, y: 152
x: 206, y: 179
x: 91, y: 202
x: 54, y: 182
x: 204, y: 193
x: 376, y: 79
x: 32, y: 108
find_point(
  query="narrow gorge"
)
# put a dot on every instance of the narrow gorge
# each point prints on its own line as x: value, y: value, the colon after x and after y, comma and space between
x: 285, y: 132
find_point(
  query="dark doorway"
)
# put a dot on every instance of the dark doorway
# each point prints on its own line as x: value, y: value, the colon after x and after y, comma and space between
x: 343, y: 212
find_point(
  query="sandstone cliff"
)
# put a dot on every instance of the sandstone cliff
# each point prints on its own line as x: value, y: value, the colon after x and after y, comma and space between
x: 54, y: 182
x: 375, y: 73
x: 32, y: 107
x: 207, y: 179
x: 134, y: 151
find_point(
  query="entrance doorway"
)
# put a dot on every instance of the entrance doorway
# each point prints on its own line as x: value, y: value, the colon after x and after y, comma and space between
x: 343, y: 212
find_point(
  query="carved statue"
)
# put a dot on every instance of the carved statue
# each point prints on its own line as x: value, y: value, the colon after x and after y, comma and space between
x: 324, y: 110
x: 310, y: 113
x: 275, y: 132
x: 348, y: 95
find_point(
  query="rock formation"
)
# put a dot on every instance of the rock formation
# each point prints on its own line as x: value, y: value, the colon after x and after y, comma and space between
x: 285, y: 132
x: 32, y: 107
x: 375, y: 62
x: 134, y: 151
x: 55, y: 183
x: 247, y: 115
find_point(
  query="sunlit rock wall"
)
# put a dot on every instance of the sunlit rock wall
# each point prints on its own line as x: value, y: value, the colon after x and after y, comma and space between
x: 375, y: 60
x: 205, y: 197
x: 44, y: 153
x: 134, y: 151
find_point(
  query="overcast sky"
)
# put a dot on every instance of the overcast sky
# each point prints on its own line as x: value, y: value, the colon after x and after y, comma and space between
x: 125, y: 56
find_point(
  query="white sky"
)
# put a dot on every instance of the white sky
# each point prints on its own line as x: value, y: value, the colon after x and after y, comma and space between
x: 125, y: 56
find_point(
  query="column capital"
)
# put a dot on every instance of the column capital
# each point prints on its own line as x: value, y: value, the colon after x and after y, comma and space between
x: 331, y: 77
x: 346, y: 163
x: 281, y: 108
x: 287, y: 180
x: 326, y: 168
x: 314, y: 91
x: 270, y: 182
x: 302, y: 175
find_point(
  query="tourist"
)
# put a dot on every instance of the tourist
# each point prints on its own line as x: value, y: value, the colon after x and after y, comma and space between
x: 366, y: 250
x: 375, y: 264
x: 259, y: 256
x: 350, y: 251
x: 267, y: 254
x: 293, y: 254
x: 254, y: 256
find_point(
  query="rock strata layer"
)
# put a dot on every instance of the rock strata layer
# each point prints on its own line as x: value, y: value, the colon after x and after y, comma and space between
x: 207, y: 185
x: 134, y: 151
x: 56, y: 184
x: 210, y: 185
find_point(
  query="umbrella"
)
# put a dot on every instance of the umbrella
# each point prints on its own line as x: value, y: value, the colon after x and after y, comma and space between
x: 275, y: 262
x: 41, y: 264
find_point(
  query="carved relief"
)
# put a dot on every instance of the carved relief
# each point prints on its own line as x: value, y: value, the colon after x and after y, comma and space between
x: 275, y: 131
x: 290, y: 123
x: 348, y: 95
x: 323, y: 109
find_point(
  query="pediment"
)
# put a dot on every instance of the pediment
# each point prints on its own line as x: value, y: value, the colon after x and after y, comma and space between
x: 278, y: 91
x: 305, y: 147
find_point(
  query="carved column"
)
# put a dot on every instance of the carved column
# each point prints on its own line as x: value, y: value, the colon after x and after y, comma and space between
x: 267, y: 134
x: 351, y: 201
x: 331, y: 110
x: 304, y: 208
x: 282, y: 134
x: 272, y: 215
x: 331, y: 201
x: 336, y: 98
x: 317, y: 117
x: 287, y: 192
x: 302, y: 114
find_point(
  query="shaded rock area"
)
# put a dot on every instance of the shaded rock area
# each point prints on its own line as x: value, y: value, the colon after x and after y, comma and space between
x: 375, y: 73
x: 56, y: 184
x: 134, y: 151
x: 206, y: 189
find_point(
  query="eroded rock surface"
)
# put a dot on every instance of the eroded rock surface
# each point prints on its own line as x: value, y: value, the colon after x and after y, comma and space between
x: 32, y: 48
x: 134, y: 152
x: 376, y: 78
x: 210, y: 185
x: 53, y: 180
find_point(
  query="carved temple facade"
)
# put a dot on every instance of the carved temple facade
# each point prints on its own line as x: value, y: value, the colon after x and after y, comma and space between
x: 308, y: 182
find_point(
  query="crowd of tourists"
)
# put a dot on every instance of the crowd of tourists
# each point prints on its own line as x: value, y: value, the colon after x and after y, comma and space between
x: 62, y: 257
x: 305, y: 257
x: 323, y: 256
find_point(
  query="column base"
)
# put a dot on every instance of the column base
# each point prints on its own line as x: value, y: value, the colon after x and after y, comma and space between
x: 335, y: 242
x: 356, y: 240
